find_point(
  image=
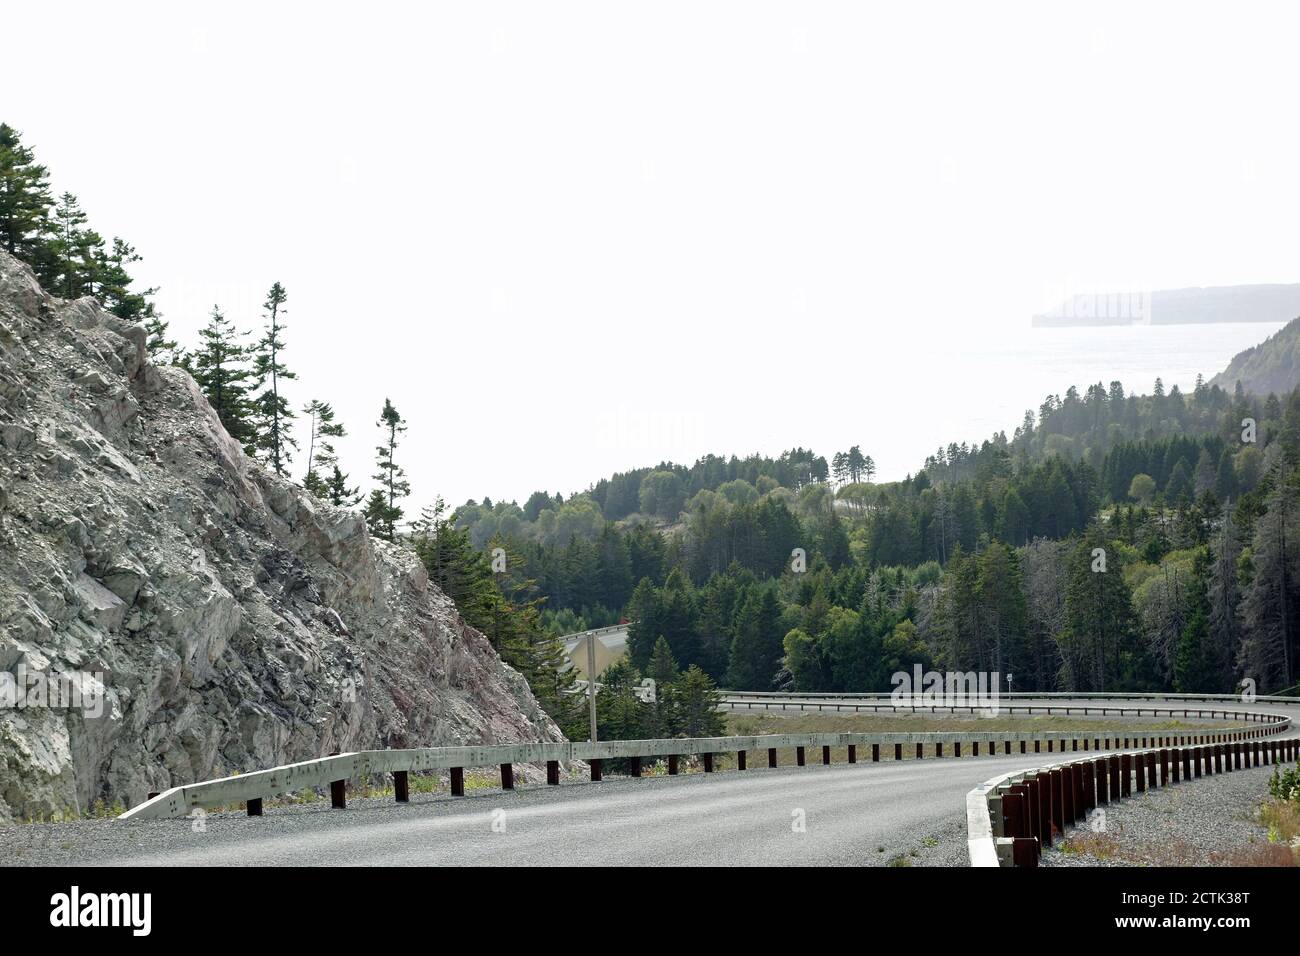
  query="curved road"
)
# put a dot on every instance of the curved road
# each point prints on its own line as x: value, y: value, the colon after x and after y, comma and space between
x: 839, y: 815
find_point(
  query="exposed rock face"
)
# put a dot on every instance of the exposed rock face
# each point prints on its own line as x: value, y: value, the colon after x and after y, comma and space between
x: 237, y: 622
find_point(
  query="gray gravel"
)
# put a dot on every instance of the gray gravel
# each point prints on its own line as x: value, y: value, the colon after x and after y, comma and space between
x: 1211, y: 821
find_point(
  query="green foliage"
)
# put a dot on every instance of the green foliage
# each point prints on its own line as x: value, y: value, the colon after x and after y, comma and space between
x: 273, y: 416
x: 220, y: 367
x: 382, y: 510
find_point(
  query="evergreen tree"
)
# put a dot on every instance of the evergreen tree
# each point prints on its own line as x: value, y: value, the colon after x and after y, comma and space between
x: 382, y: 510
x: 757, y: 648
x: 1271, y: 608
x: 323, y: 429
x: 24, y: 199
x: 274, y: 415
x: 338, y: 492
x: 1099, y: 647
x: 220, y: 369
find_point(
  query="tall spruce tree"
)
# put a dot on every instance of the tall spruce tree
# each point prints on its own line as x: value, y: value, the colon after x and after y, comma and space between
x: 220, y: 367
x: 274, y: 416
x: 1271, y: 610
x: 382, y: 510
x: 338, y: 492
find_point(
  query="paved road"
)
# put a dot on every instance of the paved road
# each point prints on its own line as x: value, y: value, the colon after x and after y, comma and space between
x: 852, y: 815
x: 732, y: 818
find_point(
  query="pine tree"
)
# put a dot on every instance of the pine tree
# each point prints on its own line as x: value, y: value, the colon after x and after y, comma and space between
x: 24, y: 200
x: 274, y: 415
x: 220, y: 369
x: 338, y: 492
x: 382, y: 510
x: 1271, y: 608
x: 70, y: 263
x: 320, y: 446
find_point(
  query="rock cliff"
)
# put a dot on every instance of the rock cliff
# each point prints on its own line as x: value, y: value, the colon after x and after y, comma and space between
x: 231, y: 620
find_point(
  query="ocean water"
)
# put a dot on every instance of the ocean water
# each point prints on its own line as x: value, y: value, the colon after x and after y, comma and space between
x: 1021, y: 372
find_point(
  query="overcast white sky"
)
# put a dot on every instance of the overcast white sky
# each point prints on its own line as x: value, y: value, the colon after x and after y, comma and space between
x: 568, y: 239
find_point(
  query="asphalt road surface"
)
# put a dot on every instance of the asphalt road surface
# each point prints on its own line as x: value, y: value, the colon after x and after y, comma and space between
x: 861, y: 814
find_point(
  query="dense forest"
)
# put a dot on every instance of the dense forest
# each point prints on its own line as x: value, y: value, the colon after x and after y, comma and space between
x: 801, y: 571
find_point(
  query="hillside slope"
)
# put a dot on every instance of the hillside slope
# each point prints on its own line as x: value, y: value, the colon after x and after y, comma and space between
x: 1273, y: 366
x: 235, y: 622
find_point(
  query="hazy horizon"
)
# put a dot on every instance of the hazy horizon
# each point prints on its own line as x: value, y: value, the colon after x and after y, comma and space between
x: 525, y: 238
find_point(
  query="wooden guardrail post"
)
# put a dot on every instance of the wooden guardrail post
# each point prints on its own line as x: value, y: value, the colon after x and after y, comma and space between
x: 1058, y: 800
x: 938, y: 748
x: 1125, y: 774
x: 254, y: 806
x: 1045, y: 813
x: 339, y: 794
x: 597, y: 769
x: 799, y: 757
x: 1101, y: 773
x: 552, y: 773
x: 457, y: 781
x: 401, y: 788
x: 708, y: 762
x: 853, y: 753
x: 672, y: 765
x: 771, y: 757
x: 826, y: 755
x: 634, y: 766
x: 740, y: 760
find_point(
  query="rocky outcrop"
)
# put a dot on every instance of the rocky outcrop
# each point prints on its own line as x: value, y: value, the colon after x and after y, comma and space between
x: 232, y: 621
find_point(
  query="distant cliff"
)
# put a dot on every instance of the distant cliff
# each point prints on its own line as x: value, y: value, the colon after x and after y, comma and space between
x: 1271, y: 366
x: 1232, y: 303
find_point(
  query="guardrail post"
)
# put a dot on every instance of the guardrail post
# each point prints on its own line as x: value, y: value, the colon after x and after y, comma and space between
x: 254, y: 807
x: 898, y: 751
x: 1070, y: 782
x: 552, y: 773
x: 938, y: 748
x: 507, y: 776
x: 1058, y: 800
x: 799, y: 756
x: 1022, y: 746
x: 1024, y: 851
x: 401, y: 789
x: 1044, y: 806
x: 826, y: 755
x: 1101, y: 775
x: 1186, y: 753
x: 1013, y: 812
x: 634, y: 766
x: 1089, y: 787
x: 339, y: 794
x: 875, y: 753
x: 597, y: 769
x: 919, y: 753
x: 853, y: 753
x: 956, y: 748
x: 741, y: 760
x: 1196, y: 761
x: 458, y: 781
x: 771, y: 756
x: 672, y: 765
x: 1038, y: 747
x: 1152, y: 782
x: 1031, y: 807
x: 1218, y: 758
x: 1125, y: 774
x: 708, y: 762
x: 1164, y: 767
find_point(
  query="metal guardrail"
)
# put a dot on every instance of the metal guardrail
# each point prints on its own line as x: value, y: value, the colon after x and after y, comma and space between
x: 336, y: 770
x: 1015, y: 695
x: 1012, y: 817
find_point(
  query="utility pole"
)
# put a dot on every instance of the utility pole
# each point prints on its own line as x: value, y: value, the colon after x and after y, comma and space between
x: 591, y: 682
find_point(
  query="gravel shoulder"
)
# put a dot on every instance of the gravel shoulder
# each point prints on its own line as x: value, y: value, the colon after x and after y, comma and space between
x: 1211, y: 821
